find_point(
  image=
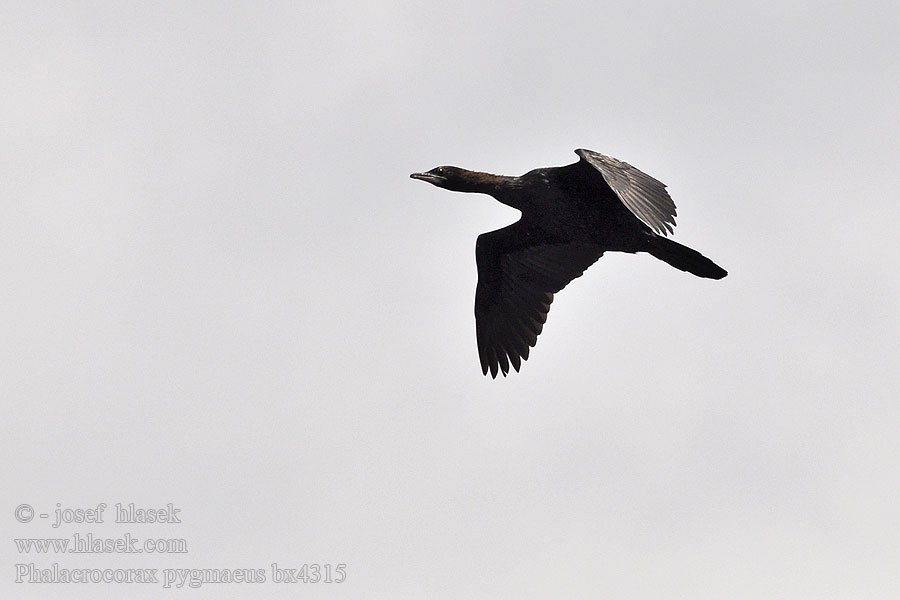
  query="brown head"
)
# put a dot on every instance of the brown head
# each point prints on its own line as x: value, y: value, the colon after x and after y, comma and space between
x: 453, y: 178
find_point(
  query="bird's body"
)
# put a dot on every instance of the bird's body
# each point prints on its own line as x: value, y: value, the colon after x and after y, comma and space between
x: 566, y: 205
x: 571, y: 215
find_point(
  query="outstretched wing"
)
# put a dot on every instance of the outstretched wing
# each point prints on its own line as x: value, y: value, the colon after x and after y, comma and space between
x: 644, y: 196
x: 518, y: 273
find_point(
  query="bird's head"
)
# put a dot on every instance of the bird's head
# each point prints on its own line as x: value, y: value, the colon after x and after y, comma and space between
x: 450, y: 178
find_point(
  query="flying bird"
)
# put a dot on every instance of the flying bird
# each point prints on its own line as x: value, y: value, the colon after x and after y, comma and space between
x: 571, y: 215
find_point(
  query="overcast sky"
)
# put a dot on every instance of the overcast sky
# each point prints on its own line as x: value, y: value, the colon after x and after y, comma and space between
x: 221, y: 290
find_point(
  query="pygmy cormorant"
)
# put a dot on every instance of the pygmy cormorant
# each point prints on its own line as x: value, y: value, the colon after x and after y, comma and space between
x: 571, y: 215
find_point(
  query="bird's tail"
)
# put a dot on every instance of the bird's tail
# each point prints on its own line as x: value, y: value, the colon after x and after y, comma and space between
x: 685, y: 259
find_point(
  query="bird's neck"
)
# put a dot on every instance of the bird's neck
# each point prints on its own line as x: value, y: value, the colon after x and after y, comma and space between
x: 501, y: 187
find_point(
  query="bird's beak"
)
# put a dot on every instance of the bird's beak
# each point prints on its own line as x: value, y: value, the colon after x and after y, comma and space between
x: 429, y: 177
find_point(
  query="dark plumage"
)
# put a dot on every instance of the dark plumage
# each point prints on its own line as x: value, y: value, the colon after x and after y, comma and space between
x: 571, y: 215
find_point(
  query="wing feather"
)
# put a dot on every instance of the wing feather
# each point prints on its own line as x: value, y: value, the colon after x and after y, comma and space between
x: 643, y: 195
x: 517, y: 277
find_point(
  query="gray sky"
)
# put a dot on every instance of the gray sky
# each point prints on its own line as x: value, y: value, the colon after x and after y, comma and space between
x: 222, y: 290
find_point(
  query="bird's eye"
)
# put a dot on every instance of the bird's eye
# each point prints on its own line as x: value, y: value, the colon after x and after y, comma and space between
x: 440, y: 170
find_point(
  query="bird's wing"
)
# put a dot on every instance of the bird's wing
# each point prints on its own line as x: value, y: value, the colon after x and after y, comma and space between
x: 518, y: 273
x: 644, y: 196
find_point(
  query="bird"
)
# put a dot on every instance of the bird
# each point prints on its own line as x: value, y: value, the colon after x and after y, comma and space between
x: 571, y: 215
